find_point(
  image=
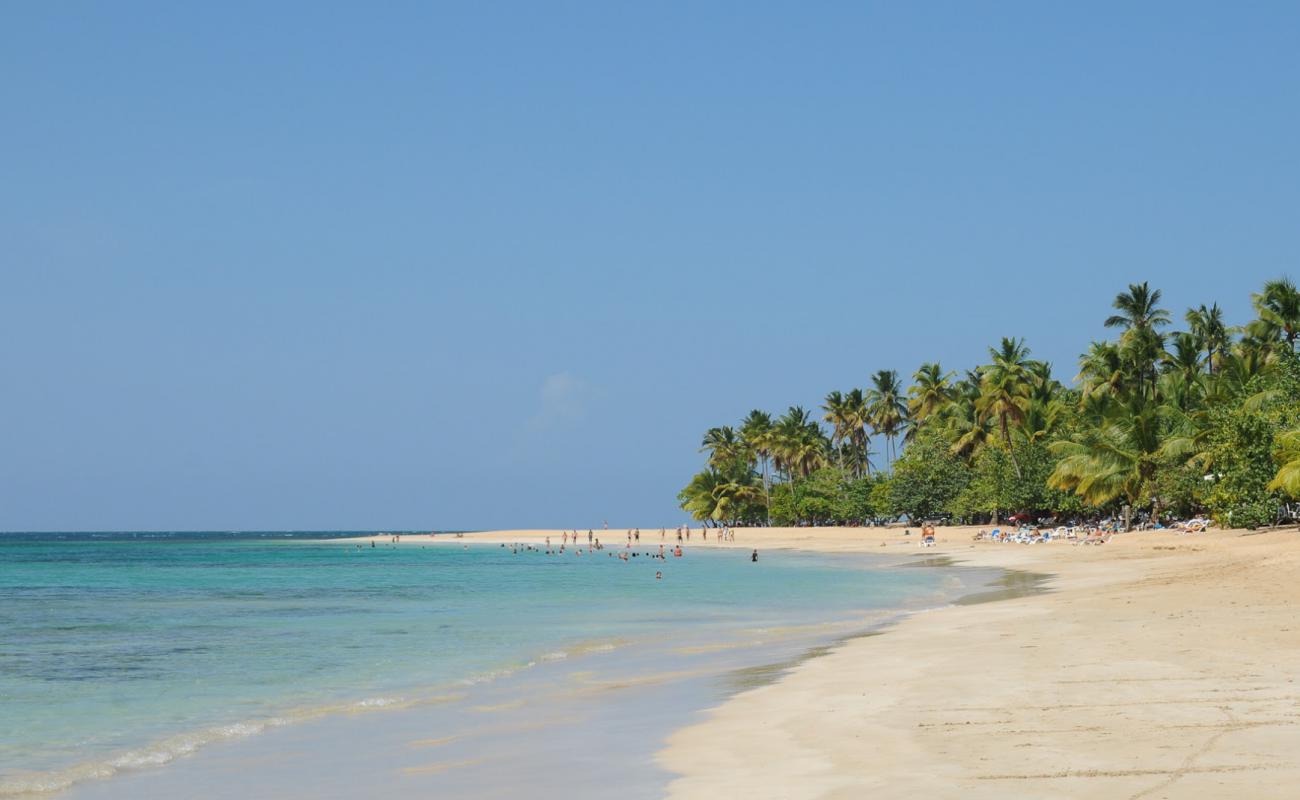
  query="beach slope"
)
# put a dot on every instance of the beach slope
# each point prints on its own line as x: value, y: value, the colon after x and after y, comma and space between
x: 1157, y: 666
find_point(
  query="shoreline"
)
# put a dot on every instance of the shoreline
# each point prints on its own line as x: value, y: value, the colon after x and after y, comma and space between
x: 1157, y: 665
x: 819, y: 632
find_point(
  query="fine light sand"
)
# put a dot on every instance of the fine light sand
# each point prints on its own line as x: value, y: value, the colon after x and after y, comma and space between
x: 1158, y: 665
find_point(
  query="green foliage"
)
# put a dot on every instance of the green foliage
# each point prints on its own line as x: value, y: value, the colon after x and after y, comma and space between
x: 1155, y: 412
x: 821, y: 496
x: 783, y: 510
x: 996, y: 488
x: 857, y: 504
x: 927, y: 478
x: 1243, y: 445
x: 827, y: 496
x: 882, y: 498
x: 1181, y: 488
x: 1241, y: 454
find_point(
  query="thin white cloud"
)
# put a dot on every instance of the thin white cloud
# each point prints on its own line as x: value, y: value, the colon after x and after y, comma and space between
x: 563, y: 400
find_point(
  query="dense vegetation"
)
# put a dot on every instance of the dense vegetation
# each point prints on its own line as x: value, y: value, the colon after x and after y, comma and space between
x: 1157, y: 423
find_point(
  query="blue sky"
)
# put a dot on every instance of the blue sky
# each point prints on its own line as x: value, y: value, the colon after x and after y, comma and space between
x: 477, y: 265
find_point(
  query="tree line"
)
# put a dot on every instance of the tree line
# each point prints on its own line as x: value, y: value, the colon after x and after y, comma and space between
x: 1157, y: 422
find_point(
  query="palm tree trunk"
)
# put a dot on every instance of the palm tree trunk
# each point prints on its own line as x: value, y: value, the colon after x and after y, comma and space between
x: 1011, y: 451
x: 767, y: 492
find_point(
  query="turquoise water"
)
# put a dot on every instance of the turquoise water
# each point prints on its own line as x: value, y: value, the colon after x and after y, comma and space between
x: 120, y: 653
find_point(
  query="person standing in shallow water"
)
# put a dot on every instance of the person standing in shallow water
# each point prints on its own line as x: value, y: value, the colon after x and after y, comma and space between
x: 754, y: 556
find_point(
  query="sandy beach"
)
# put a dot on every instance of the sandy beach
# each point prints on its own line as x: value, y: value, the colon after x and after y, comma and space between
x: 1158, y: 665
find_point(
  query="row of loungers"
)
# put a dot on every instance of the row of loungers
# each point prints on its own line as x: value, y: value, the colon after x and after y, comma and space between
x: 1077, y: 534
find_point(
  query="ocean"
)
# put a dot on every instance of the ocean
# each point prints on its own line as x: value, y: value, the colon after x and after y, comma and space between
x: 123, y: 653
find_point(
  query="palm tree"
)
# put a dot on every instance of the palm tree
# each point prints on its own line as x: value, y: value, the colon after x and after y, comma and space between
x: 930, y: 392
x: 1180, y: 388
x: 856, y: 403
x: 1287, y: 479
x: 757, y: 432
x: 718, y: 496
x: 841, y: 418
x: 1101, y: 369
x: 723, y: 446
x: 1138, y: 308
x: 885, y: 406
x: 800, y: 442
x: 1116, y: 457
x: 1141, y: 344
x: 799, y: 447
x: 1005, y: 388
x: 1278, y: 307
x: 966, y: 427
x: 1046, y: 410
x: 847, y: 415
x: 1184, y: 358
x: 1208, y: 327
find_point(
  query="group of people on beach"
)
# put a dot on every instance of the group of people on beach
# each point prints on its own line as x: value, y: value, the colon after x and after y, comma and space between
x: 515, y: 548
x: 570, y: 542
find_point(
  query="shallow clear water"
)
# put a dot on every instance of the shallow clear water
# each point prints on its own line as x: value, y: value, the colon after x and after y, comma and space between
x: 119, y: 653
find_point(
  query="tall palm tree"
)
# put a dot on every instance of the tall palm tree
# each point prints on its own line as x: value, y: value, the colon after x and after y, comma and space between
x: 1208, y: 327
x: 1101, y: 369
x: 757, y: 432
x: 930, y: 393
x: 1184, y: 358
x: 723, y: 446
x: 966, y: 427
x: 1045, y: 410
x: 1141, y: 344
x: 847, y: 415
x: 1005, y: 388
x: 856, y: 404
x: 799, y: 447
x: 841, y: 419
x: 885, y: 407
x: 1116, y: 457
x: 1138, y: 308
x: 801, y: 444
x: 1278, y: 306
x: 1179, y: 387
